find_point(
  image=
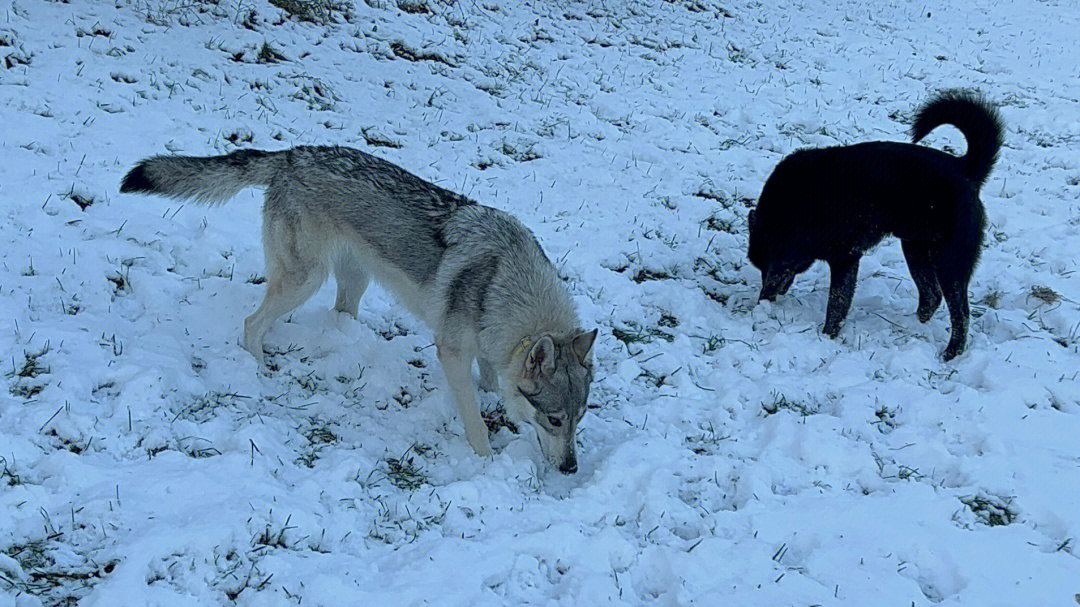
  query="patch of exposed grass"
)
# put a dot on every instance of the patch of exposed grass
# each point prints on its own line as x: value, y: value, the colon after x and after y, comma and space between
x: 49, y: 582
x: 413, y: 7
x: 250, y: 20
x: 644, y: 275
x: 496, y: 418
x: 404, y: 51
x: 718, y: 224
x: 8, y: 477
x: 376, y: 139
x: 991, y: 510
x: 317, y: 94
x: 403, y: 472
x: 720, y: 298
x: 25, y: 374
x: 403, y: 397
x: 321, y: 434
x: 780, y: 401
x: 519, y: 152
x: 635, y: 334
x: 936, y: 379
x: 885, y: 420
x: 395, y: 331
x: 268, y: 53
x: 315, y: 11
x: 83, y: 201
x: 393, y: 525
x: 319, y: 437
x: 1045, y: 294
x: 712, y: 343
x: 26, y: 391
x: 992, y: 299
x: 270, y: 538
x: 204, y: 407
x: 120, y: 278
x: 707, y: 192
x: 657, y: 380
x: 707, y: 442
x: 32, y: 366
x: 240, y: 136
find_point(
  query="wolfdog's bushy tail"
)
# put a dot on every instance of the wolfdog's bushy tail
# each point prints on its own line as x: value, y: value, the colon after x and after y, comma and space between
x: 211, y: 179
x: 976, y: 118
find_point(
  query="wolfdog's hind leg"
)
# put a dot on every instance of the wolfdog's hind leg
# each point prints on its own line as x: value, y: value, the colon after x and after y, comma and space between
x: 283, y: 295
x: 294, y: 272
x: 351, y: 280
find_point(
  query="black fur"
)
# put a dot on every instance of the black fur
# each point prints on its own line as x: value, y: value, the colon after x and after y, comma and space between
x: 136, y: 180
x: 976, y: 119
x: 834, y: 204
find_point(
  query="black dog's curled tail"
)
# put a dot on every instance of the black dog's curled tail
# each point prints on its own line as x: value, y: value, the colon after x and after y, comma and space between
x: 976, y: 118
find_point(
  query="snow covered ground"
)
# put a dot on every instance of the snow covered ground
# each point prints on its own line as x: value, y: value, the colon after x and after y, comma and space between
x: 733, y: 456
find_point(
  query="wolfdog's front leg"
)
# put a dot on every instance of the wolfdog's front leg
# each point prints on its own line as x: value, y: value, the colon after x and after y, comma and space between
x: 489, y: 379
x: 457, y: 366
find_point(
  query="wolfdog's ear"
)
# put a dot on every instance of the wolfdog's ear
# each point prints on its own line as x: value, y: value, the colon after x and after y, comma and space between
x: 582, y: 343
x: 541, y: 359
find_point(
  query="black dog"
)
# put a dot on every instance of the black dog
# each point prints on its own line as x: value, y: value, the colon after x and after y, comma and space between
x: 836, y: 203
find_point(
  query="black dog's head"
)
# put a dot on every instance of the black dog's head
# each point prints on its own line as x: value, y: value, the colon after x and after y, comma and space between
x: 768, y: 251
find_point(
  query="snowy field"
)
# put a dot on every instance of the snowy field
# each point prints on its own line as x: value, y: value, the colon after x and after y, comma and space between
x: 732, y: 455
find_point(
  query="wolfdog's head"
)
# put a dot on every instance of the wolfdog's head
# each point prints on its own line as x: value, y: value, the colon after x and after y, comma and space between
x: 550, y: 391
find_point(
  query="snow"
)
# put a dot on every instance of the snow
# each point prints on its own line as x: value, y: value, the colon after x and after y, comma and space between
x: 733, y: 456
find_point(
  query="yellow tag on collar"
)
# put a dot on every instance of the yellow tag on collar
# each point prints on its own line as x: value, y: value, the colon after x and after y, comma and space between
x: 521, y: 347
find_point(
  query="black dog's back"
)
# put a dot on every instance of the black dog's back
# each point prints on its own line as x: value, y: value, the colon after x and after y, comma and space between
x: 833, y: 204
x: 833, y: 200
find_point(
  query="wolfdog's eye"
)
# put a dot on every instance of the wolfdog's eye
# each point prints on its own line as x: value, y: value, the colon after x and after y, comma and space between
x: 554, y: 421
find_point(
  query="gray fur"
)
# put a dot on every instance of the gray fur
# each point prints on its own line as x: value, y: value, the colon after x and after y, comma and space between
x: 474, y: 274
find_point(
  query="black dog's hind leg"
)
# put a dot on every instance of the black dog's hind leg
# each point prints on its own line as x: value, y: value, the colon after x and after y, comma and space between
x: 956, y: 298
x: 922, y: 272
x: 953, y: 265
x: 842, y: 274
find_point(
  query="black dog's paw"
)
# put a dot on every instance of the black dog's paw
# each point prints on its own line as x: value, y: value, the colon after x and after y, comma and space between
x: 952, y: 351
x: 832, y: 330
x: 927, y: 307
x: 925, y: 314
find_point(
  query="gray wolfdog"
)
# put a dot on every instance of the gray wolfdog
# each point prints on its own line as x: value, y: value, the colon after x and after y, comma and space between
x: 474, y: 274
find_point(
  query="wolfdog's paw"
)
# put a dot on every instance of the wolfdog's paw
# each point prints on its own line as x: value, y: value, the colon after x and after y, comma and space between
x: 481, y: 444
x: 255, y: 351
x: 349, y: 310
